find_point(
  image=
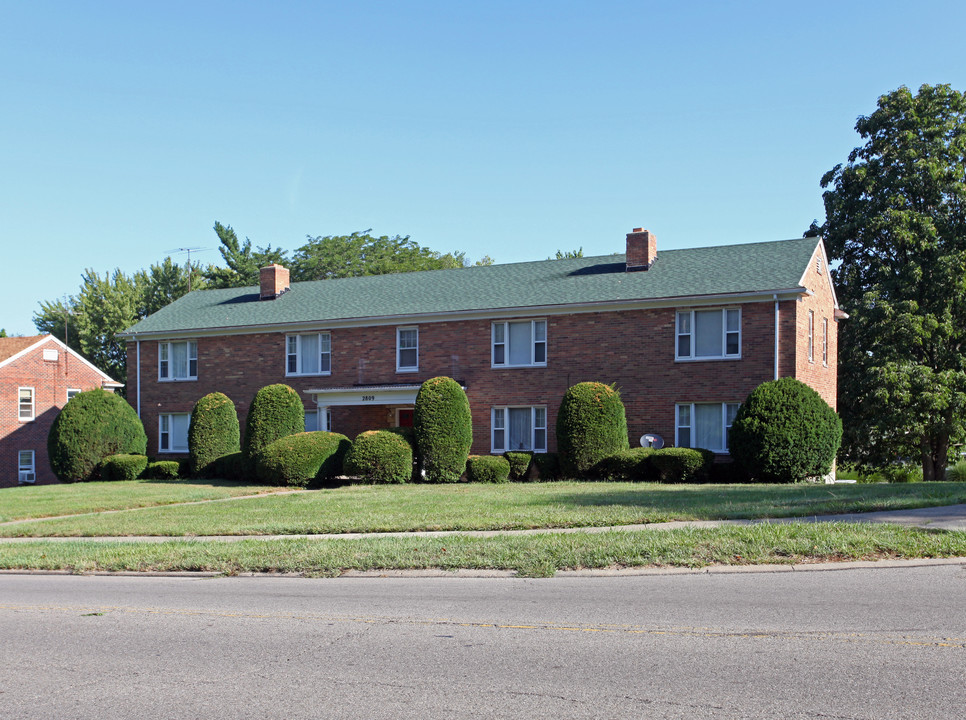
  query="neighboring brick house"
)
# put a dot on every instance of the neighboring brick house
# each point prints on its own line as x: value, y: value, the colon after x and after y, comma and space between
x: 684, y: 334
x: 38, y: 375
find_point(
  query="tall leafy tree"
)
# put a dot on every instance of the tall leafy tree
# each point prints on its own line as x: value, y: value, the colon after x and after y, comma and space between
x: 243, y: 262
x: 337, y: 256
x: 896, y: 224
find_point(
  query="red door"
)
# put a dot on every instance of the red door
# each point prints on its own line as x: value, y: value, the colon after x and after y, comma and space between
x: 406, y: 417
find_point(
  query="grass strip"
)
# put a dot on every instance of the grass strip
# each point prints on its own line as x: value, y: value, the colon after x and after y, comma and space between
x: 514, y: 506
x: 19, y: 503
x: 530, y: 556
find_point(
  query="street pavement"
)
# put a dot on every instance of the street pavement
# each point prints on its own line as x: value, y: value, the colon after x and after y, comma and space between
x: 853, y: 644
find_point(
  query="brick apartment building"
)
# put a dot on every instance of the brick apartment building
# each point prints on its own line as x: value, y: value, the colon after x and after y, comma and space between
x: 685, y: 335
x: 38, y: 375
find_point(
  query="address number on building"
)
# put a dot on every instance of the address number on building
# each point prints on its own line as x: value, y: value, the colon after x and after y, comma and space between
x: 368, y: 398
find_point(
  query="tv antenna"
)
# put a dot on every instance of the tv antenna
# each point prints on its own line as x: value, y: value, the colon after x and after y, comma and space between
x: 188, y: 250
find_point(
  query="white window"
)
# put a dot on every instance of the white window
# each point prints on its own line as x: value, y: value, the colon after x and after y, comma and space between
x: 519, y: 428
x: 178, y: 360
x: 708, y: 334
x: 811, y: 336
x: 25, y: 404
x: 407, y: 349
x: 318, y: 419
x: 309, y: 354
x: 26, y: 471
x: 71, y: 392
x: 825, y: 341
x: 173, y: 432
x: 520, y: 344
x: 705, y: 425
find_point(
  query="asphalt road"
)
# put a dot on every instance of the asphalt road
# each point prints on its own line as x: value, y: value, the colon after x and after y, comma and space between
x: 883, y: 643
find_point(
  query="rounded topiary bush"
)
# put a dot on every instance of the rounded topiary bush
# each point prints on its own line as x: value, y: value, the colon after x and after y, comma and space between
x: 123, y: 467
x: 547, y: 465
x: 682, y: 465
x: 213, y: 432
x: 519, y: 463
x: 444, y: 429
x: 92, y: 426
x: 162, y: 470
x: 275, y: 412
x: 632, y: 465
x: 298, y: 459
x: 590, y: 426
x: 380, y: 456
x: 785, y: 432
x: 487, y: 469
x: 228, y: 467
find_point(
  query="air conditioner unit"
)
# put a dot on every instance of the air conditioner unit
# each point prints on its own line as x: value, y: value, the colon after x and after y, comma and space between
x: 27, y: 478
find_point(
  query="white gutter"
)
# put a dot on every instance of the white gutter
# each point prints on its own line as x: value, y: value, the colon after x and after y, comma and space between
x: 139, y: 375
x: 776, y: 336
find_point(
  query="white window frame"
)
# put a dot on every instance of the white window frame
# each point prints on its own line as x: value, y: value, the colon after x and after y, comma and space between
x: 825, y: 342
x: 503, y: 413
x: 165, y: 418
x: 323, y: 419
x: 400, y: 368
x: 26, y: 472
x: 811, y: 336
x: 32, y: 407
x: 75, y: 391
x: 692, y: 430
x: 505, y: 343
x: 165, y: 353
x: 689, y: 316
x: 325, y: 356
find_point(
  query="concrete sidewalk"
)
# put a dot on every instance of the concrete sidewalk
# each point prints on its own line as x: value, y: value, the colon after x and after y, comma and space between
x: 949, y: 517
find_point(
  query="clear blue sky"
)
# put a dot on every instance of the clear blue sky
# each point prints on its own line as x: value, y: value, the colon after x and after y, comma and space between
x: 511, y: 129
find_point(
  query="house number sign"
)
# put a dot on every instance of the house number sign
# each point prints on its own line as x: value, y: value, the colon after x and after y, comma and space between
x: 368, y: 398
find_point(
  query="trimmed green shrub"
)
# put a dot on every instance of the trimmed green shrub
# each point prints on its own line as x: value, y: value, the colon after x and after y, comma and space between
x: 92, y: 426
x: 548, y: 466
x: 785, y: 432
x: 296, y: 460
x: 632, y: 465
x: 213, y: 432
x: 409, y: 435
x: 123, y: 467
x: 487, y: 469
x: 228, y: 467
x: 682, y: 465
x: 444, y: 429
x: 380, y: 456
x: 275, y: 412
x: 162, y: 470
x: 590, y: 426
x: 519, y: 463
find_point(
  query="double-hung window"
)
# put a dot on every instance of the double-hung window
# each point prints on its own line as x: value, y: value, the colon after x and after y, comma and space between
x: 520, y: 343
x: 825, y: 342
x: 811, y: 336
x: 26, y: 470
x: 72, y: 393
x: 308, y: 354
x: 173, y: 432
x: 407, y: 349
x: 25, y: 404
x: 178, y: 360
x: 519, y: 428
x: 705, y: 425
x: 708, y: 334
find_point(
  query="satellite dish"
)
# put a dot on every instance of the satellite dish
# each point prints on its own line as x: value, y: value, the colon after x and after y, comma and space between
x: 652, y: 440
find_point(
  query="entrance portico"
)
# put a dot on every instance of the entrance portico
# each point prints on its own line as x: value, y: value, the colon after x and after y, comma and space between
x: 398, y: 400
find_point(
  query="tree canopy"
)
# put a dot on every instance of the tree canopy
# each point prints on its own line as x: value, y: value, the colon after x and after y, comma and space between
x: 896, y: 226
x: 243, y: 263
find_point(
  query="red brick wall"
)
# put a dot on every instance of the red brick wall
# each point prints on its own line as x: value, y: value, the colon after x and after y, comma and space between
x: 50, y: 381
x: 822, y: 377
x: 634, y: 349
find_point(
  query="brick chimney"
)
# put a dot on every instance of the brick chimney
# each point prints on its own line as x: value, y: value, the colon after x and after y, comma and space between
x: 273, y: 280
x: 641, y: 249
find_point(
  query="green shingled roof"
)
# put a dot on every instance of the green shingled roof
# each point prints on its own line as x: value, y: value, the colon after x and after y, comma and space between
x: 721, y: 270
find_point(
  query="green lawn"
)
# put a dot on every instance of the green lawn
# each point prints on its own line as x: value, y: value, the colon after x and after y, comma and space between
x: 49, y: 500
x: 365, y: 508
x: 534, y: 555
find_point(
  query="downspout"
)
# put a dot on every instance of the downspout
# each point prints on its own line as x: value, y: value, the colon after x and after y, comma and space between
x: 776, y: 335
x: 138, y: 390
